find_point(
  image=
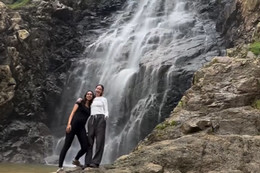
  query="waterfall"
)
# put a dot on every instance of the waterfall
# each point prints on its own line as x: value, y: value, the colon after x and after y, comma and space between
x: 145, y: 60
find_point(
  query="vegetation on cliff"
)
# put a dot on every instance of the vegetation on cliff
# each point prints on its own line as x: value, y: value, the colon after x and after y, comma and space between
x: 255, y: 48
x: 18, y: 4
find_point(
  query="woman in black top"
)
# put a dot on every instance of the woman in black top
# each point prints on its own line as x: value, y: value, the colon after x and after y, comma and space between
x: 76, y: 126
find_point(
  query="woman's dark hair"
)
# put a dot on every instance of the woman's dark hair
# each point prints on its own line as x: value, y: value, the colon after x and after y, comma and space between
x: 84, y: 100
x: 101, y: 87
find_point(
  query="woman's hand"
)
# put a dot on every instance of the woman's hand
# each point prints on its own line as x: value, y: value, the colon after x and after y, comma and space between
x: 68, y: 129
x: 79, y: 100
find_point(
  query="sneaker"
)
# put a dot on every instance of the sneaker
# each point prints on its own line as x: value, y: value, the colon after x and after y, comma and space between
x: 85, y: 166
x: 60, y: 170
x: 77, y: 163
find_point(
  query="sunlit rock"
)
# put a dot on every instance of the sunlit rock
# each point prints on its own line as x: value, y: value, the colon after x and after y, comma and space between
x: 23, y: 34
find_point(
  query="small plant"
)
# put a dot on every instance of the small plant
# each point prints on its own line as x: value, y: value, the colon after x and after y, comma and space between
x: 161, y: 126
x: 255, y: 48
x: 165, y: 124
x: 172, y: 123
x: 19, y: 4
x: 182, y: 102
x: 256, y: 104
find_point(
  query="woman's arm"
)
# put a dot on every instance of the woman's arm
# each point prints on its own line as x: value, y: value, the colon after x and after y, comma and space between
x: 105, y: 108
x: 68, y: 129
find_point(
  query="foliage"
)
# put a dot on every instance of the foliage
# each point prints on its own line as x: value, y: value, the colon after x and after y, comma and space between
x: 256, y: 104
x: 255, y: 48
x: 182, y: 102
x: 19, y: 4
x: 165, y: 124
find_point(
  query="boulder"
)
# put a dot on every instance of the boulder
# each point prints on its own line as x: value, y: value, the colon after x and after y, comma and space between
x: 26, y: 142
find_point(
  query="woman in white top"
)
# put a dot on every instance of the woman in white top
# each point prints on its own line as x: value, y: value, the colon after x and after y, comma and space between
x: 97, y: 125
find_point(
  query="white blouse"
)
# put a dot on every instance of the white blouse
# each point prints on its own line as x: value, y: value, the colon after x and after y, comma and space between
x: 99, y: 106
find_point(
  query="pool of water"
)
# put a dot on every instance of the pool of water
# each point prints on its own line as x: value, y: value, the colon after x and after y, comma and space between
x: 26, y: 168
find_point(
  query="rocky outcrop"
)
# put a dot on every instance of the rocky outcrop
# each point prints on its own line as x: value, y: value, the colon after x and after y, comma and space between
x: 238, y: 21
x: 215, y: 127
x: 25, y: 142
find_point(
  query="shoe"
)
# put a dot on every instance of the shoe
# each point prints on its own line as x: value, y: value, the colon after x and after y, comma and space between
x: 92, y: 165
x: 60, y: 170
x: 85, y: 166
x: 77, y: 163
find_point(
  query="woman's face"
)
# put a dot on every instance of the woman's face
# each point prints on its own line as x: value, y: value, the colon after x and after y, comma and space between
x: 98, y: 91
x: 89, y: 96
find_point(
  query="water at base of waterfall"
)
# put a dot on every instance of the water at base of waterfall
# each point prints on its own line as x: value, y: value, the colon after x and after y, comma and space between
x: 26, y: 168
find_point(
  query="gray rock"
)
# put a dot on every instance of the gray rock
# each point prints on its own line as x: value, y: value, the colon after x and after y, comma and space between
x: 52, y: 160
x: 250, y: 55
x: 26, y: 142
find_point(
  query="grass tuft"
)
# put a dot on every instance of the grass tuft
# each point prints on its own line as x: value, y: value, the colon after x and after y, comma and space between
x: 18, y: 4
x: 255, y: 48
x: 165, y: 124
x: 256, y: 104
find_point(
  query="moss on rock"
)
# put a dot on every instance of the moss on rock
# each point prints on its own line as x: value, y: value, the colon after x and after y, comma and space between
x: 19, y: 4
x: 256, y: 104
x: 165, y: 124
x: 255, y: 48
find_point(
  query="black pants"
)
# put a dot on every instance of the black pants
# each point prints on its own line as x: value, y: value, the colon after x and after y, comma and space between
x: 96, y: 131
x: 83, y: 140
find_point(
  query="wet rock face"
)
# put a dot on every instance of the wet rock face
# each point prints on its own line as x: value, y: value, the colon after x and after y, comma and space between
x: 236, y: 20
x: 99, y: 6
x: 239, y: 20
x: 25, y: 142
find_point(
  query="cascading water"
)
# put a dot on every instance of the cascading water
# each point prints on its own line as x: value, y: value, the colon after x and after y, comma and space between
x: 145, y: 61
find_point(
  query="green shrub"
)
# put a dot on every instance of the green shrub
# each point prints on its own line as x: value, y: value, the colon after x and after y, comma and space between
x: 255, y: 48
x: 161, y: 126
x: 256, y: 104
x: 165, y: 124
x: 19, y: 4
